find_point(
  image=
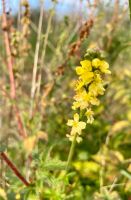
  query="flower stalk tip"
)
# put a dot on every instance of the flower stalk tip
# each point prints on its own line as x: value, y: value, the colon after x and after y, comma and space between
x: 89, y: 86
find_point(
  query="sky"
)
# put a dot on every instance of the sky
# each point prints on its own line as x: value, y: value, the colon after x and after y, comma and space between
x: 63, y: 7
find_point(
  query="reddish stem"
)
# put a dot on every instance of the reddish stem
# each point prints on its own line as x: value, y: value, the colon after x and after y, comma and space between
x: 14, y: 169
x: 8, y: 52
x: 10, y: 69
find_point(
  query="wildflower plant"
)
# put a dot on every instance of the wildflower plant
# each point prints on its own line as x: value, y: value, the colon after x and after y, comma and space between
x: 88, y: 88
x: 37, y: 45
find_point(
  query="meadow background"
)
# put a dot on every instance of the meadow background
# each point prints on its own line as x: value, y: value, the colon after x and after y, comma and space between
x: 47, y: 40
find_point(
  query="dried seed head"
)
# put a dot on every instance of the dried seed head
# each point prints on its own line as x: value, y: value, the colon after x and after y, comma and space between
x: 83, y: 34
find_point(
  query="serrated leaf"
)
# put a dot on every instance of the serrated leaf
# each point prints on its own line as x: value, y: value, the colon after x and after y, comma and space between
x: 54, y: 165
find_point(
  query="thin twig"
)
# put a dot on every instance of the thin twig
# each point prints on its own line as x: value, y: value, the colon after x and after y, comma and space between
x: 44, y: 50
x: 35, y: 68
x: 115, y: 185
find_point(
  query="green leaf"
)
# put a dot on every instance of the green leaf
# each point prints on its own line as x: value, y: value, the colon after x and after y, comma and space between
x: 126, y: 174
x: 2, y: 148
x: 54, y: 165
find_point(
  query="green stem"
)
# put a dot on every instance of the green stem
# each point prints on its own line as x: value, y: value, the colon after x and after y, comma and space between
x: 71, y: 152
x: 130, y: 8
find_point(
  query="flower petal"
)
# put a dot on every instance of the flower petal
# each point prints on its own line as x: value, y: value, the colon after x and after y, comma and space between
x: 89, y: 112
x: 79, y: 70
x: 87, y: 77
x: 104, y: 67
x: 86, y: 64
x: 79, y: 84
x: 96, y: 62
x: 75, y: 105
x: 78, y: 139
x: 82, y: 125
x: 70, y: 122
x: 76, y: 117
x: 90, y: 120
x: 94, y: 101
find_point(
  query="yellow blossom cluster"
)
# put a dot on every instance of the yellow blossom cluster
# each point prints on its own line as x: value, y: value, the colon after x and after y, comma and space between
x: 88, y: 87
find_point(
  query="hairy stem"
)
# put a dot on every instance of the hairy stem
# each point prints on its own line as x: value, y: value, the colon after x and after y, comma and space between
x: 14, y: 169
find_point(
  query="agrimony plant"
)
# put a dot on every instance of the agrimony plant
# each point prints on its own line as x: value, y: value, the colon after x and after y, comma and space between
x: 88, y: 87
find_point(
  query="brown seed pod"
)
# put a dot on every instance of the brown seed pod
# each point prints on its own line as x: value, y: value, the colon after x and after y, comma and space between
x: 83, y: 34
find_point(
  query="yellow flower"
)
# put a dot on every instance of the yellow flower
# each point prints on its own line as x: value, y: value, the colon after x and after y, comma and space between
x: 79, y: 139
x: 94, y: 101
x: 82, y: 99
x: 75, y: 105
x: 17, y: 196
x: 86, y: 67
x: 86, y: 64
x: 77, y: 126
x: 71, y: 138
x: 96, y: 88
x: 80, y: 104
x: 85, y: 72
x: 89, y: 114
x: 96, y: 62
x: 97, y: 77
x: 87, y: 77
x: 2, y: 194
x: 79, y: 84
x: 88, y: 87
x: 104, y: 67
